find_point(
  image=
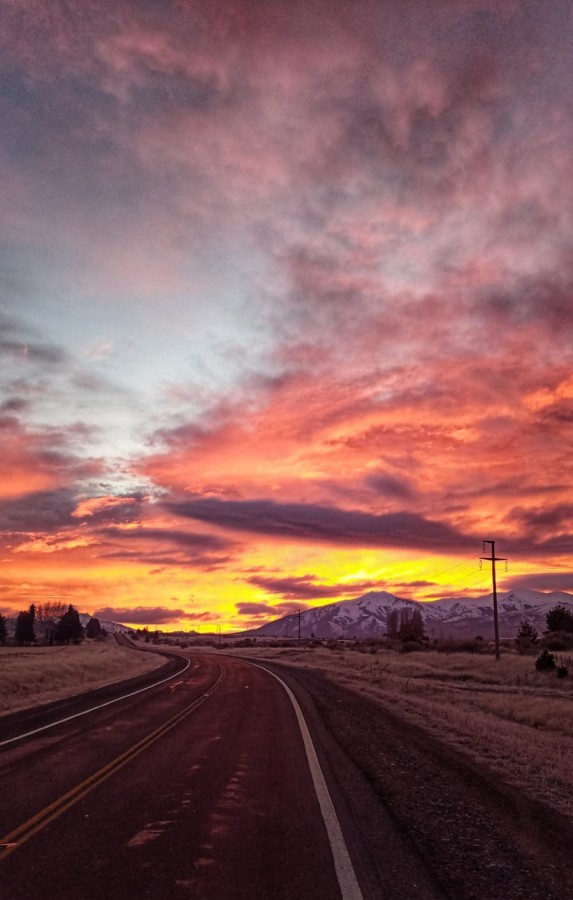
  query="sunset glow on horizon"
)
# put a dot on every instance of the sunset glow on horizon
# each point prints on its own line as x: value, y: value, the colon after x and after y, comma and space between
x: 287, y: 304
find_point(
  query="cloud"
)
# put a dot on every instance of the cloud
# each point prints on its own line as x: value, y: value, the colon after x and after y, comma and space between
x: 307, y: 522
x: 32, y: 352
x: 36, y: 459
x: 42, y: 511
x: 541, y: 581
x: 110, y: 508
x: 302, y: 587
x: 185, y: 539
x: 257, y: 610
x: 165, y: 547
x: 543, y: 519
x: 388, y: 484
x: 419, y: 583
x: 141, y: 615
x: 207, y: 616
x: 250, y: 608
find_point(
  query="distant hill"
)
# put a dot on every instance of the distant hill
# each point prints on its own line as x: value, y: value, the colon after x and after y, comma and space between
x: 456, y: 617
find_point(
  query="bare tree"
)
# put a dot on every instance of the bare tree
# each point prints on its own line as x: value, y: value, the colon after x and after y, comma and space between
x: 48, y: 616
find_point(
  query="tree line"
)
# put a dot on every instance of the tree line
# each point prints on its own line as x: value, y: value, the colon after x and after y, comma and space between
x: 50, y: 623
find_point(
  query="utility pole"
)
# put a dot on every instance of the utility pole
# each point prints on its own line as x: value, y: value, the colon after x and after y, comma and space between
x: 493, y: 559
x: 299, y: 613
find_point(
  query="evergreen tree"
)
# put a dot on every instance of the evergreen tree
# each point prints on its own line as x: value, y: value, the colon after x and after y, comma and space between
x: 25, y: 626
x: 526, y: 636
x: 3, y: 629
x: 559, y: 619
x: 93, y: 628
x: 392, y: 626
x: 412, y: 627
x: 69, y: 627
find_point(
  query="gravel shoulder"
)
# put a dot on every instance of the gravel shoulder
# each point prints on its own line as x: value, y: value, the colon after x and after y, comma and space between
x: 436, y: 823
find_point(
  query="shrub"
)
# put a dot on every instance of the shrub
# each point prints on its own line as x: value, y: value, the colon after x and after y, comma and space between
x: 546, y: 661
x: 526, y: 636
x: 555, y: 642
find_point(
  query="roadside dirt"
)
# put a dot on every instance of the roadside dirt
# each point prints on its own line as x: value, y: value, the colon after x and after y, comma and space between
x: 435, y: 822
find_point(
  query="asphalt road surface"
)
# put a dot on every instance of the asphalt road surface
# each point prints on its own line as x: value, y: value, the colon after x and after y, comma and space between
x: 199, y: 788
x: 207, y: 786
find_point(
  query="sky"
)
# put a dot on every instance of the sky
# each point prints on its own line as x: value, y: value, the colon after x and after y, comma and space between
x: 286, y: 308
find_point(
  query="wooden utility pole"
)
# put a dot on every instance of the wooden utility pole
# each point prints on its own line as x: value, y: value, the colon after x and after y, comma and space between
x: 493, y: 559
x: 299, y: 614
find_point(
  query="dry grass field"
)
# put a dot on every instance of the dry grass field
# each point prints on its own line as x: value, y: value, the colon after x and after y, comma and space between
x: 31, y: 676
x: 505, y: 714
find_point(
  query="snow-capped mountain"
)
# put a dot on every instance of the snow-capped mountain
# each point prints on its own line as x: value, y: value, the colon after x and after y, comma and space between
x: 364, y: 617
x: 460, y: 617
x: 110, y: 627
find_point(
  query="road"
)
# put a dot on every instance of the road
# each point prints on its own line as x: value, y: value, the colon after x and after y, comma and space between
x: 202, y: 787
x: 220, y: 805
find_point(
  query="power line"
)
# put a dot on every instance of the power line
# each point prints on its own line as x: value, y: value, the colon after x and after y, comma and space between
x: 451, y: 568
x: 461, y: 578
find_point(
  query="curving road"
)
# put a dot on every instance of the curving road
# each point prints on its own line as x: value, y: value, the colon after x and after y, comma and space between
x: 214, y: 785
x: 199, y: 788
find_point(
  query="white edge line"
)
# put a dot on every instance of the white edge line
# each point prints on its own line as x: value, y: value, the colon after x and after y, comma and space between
x: 349, y: 887
x: 26, y: 734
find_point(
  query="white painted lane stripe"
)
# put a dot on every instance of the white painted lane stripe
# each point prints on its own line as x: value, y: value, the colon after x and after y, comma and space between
x: 349, y: 887
x: 20, y: 737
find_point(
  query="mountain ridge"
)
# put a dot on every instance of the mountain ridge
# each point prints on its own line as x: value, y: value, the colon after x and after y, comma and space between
x: 457, y: 617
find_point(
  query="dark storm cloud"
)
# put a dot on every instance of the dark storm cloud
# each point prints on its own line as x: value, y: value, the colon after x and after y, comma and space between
x: 310, y: 522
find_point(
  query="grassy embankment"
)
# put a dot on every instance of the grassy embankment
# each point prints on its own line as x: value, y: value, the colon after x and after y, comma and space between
x: 516, y: 721
x: 31, y: 676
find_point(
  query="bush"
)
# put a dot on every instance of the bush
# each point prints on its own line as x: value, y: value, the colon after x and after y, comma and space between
x: 546, y: 661
x: 562, y: 671
x: 410, y: 647
x: 555, y: 642
x: 462, y: 646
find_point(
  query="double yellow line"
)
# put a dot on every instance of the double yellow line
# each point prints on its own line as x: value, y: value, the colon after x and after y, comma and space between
x: 23, y: 833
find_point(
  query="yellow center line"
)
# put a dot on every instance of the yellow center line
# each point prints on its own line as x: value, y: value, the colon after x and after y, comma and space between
x: 23, y: 833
